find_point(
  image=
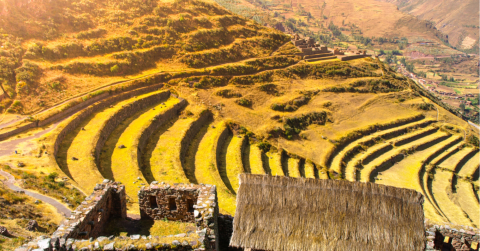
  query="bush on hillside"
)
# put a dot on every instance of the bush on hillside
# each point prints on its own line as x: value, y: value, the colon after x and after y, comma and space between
x: 227, y: 93
x: 244, y: 102
x: 252, y: 79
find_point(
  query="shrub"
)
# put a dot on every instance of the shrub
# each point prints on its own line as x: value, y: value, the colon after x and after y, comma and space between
x: 264, y: 146
x: 227, y: 93
x: 52, y: 176
x: 243, y: 102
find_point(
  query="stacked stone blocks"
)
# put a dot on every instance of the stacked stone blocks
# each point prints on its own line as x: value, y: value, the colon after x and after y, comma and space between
x: 183, y: 202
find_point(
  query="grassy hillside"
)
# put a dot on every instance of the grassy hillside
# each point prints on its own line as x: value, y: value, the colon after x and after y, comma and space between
x: 250, y: 105
x: 54, y: 50
x: 459, y: 20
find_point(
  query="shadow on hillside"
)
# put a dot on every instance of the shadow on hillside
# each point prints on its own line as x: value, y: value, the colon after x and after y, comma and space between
x: 222, y: 162
x: 150, y: 147
x: 112, y: 142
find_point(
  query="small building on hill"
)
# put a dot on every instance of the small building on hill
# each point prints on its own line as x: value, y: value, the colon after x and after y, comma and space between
x: 282, y: 213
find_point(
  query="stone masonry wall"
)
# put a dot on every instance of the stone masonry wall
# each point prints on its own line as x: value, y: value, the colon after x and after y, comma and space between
x: 446, y: 238
x: 175, y: 203
x: 192, y: 203
x: 107, y: 202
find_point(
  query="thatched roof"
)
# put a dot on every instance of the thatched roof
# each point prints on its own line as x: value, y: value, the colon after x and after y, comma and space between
x: 281, y: 213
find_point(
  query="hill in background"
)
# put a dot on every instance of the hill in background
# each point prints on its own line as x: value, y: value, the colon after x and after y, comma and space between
x: 53, y: 50
x: 457, y: 19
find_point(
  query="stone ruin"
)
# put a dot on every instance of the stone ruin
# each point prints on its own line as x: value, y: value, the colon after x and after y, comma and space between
x: 180, y: 202
x: 308, y: 46
x: 450, y: 239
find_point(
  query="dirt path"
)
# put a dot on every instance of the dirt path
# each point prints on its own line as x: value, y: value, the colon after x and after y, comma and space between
x: 9, y: 147
x: 10, y: 183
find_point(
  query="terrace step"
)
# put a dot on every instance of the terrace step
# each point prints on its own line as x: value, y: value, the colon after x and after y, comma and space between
x: 79, y: 148
x: 234, y: 164
x: 339, y: 162
x: 207, y: 164
x: 441, y: 185
x: 166, y: 162
x: 405, y: 139
x: 320, y: 58
x: 294, y: 167
x: 395, y: 154
x: 125, y: 164
x: 427, y: 178
x: 467, y: 200
x: 469, y: 169
x: 310, y: 170
x: 256, y: 162
x: 410, y: 169
x: 275, y: 163
x: 462, y: 164
x: 374, y: 150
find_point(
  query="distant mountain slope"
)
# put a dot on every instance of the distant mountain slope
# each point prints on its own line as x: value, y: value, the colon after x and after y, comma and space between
x: 458, y: 19
x: 51, y: 50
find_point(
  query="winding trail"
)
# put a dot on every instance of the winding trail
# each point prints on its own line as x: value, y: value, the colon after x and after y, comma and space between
x: 9, y: 147
x: 10, y: 183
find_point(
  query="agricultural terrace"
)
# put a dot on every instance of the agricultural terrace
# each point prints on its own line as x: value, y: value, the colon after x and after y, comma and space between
x: 244, y: 103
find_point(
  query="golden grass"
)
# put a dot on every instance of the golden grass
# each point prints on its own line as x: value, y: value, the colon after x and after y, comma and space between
x: 165, y: 162
x: 441, y: 187
x: 124, y: 163
x: 206, y: 170
x: 256, y: 163
x: 470, y: 167
x: 335, y: 166
x: 366, y: 171
x: 465, y: 198
x: 275, y: 163
x: 409, y: 169
x: 309, y: 170
x: 164, y: 228
x: 141, y: 244
x: 234, y: 165
x: 84, y: 170
x: 453, y: 160
x: 293, y: 168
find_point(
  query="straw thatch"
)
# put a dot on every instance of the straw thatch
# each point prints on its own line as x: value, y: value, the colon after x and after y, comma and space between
x: 281, y: 213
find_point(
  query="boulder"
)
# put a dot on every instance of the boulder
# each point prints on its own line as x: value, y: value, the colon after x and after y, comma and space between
x: 4, y: 231
x: 32, y: 225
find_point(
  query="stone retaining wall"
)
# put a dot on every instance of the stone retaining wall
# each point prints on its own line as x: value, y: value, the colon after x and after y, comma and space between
x: 194, y: 128
x: 72, y: 110
x: 157, y: 122
x: 346, y: 58
x: 71, y: 125
x: 122, y: 114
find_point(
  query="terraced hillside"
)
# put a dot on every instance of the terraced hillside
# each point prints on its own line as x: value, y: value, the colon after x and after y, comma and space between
x: 206, y: 135
x: 54, y: 50
x: 262, y: 113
